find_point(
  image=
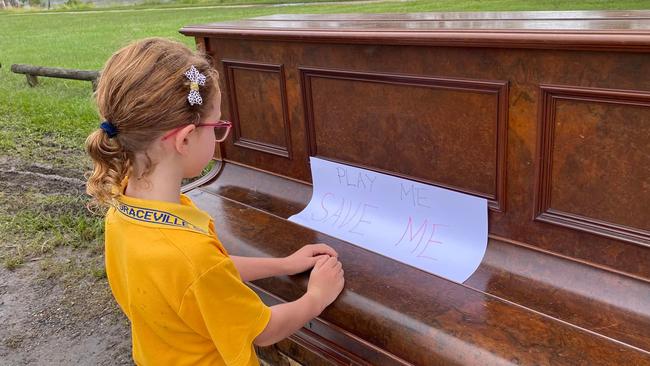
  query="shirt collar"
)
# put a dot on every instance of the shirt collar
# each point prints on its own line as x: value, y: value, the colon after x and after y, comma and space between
x: 183, y: 216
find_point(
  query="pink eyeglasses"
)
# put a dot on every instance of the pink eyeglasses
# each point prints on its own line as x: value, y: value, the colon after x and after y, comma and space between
x: 221, y: 129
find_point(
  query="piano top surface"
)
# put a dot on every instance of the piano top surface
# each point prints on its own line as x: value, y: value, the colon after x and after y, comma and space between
x: 634, y: 21
x: 578, y: 30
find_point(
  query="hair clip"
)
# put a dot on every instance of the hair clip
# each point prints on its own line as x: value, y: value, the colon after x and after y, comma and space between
x: 196, y: 79
x: 109, y: 128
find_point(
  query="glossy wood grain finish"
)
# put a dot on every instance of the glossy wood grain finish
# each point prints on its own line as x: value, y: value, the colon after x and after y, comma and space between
x: 546, y: 115
x: 600, y: 301
x: 562, y: 16
x: 322, y: 343
x: 623, y: 26
x: 602, y: 30
x: 609, y: 191
x: 274, y: 194
x: 259, y: 114
x: 525, y: 71
x: 422, y: 110
x: 419, y: 317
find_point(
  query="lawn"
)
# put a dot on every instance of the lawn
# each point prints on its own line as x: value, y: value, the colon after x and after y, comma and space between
x: 43, y: 223
x: 56, y: 116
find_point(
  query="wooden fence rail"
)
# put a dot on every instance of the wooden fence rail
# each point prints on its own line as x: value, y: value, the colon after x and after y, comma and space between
x: 32, y: 72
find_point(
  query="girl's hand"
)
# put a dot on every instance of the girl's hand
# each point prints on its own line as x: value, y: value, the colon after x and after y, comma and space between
x: 306, y: 257
x: 326, y: 281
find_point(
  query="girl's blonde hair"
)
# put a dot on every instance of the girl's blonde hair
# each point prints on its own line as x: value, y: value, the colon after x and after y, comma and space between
x: 143, y: 92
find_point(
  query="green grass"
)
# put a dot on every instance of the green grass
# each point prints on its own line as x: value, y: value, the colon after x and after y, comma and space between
x: 35, y: 223
x: 47, y: 125
x: 150, y: 4
x: 60, y: 113
x: 440, y: 5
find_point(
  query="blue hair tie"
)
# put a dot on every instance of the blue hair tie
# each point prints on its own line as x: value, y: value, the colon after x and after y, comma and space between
x: 109, y: 128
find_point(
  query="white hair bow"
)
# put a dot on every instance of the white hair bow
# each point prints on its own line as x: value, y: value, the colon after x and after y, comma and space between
x: 196, y: 79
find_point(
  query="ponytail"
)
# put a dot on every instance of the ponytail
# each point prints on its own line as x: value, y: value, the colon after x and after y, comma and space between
x: 111, y: 165
x: 143, y: 91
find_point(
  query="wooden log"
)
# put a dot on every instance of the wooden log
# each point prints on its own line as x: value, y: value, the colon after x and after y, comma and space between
x: 32, y: 72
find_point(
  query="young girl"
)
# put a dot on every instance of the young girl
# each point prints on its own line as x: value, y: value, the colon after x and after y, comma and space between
x: 168, y: 271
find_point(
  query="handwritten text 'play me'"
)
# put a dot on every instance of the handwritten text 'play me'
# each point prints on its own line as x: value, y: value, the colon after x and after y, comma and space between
x: 355, y: 216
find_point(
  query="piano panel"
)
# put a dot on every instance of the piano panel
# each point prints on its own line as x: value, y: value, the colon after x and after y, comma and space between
x: 411, y: 126
x: 257, y: 98
x: 595, y: 161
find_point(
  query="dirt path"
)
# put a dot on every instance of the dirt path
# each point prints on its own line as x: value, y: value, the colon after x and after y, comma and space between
x: 47, y: 322
x: 55, y: 305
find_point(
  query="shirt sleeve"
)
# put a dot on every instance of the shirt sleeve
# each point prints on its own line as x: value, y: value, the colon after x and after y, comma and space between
x: 219, y: 305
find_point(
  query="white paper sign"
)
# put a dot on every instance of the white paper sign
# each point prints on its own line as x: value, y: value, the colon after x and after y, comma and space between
x: 437, y: 230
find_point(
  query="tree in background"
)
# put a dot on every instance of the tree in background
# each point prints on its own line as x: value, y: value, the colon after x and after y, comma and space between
x: 4, y: 4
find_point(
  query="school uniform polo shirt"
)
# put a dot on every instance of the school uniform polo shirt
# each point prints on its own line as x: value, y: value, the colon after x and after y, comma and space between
x: 174, y: 280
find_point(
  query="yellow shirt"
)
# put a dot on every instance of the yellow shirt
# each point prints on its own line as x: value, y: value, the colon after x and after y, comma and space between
x: 175, y: 282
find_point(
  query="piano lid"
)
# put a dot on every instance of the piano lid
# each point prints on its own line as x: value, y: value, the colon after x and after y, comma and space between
x: 621, y: 30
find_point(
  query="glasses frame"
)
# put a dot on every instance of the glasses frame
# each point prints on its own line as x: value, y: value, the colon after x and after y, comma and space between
x: 220, y: 123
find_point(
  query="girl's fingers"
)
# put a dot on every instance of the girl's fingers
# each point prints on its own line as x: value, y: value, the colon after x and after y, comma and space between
x: 333, y: 262
x: 323, y: 249
x: 327, y: 263
x: 321, y: 260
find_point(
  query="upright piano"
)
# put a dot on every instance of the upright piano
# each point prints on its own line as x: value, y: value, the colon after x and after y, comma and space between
x: 546, y: 115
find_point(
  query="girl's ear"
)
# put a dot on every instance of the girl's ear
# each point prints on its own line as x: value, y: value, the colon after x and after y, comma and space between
x: 181, y: 140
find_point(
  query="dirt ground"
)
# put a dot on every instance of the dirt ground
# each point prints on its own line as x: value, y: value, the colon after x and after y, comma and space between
x: 50, y: 323
x: 55, y: 304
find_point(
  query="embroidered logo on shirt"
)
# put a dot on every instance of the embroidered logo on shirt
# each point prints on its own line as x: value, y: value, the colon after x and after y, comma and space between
x: 155, y: 217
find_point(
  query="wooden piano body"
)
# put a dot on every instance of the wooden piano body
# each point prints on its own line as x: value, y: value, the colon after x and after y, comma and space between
x: 546, y: 115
